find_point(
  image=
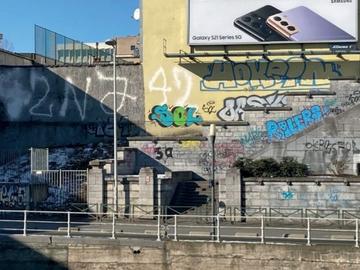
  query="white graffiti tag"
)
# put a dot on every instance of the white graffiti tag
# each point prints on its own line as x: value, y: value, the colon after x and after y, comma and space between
x: 109, y: 95
x: 233, y: 107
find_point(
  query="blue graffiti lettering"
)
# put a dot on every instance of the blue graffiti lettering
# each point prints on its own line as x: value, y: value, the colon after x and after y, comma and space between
x: 287, y: 195
x: 284, y: 129
x: 178, y: 116
x: 281, y: 74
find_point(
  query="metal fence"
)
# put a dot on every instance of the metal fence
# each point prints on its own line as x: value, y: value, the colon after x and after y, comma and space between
x: 262, y: 230
x: 66, y: 50
x: 7, y: 156
x: 65, y: 186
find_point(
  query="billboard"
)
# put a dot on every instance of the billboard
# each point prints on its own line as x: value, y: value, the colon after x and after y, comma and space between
x: 232, y: 22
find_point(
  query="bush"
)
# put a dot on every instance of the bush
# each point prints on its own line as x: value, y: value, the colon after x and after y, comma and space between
x: 269, y: 167
x: 245, y: 165
x: 290, y: 167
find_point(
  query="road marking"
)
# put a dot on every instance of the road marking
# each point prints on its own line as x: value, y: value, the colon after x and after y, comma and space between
x: 342, y: 237
x: 200, y: 233
x: 247, y: 234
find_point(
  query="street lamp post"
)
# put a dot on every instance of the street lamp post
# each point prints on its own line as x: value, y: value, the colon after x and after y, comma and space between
x: 212, y: 135
x: 113, y: 43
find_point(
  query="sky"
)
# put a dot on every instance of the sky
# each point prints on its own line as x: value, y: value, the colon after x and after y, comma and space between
x: 83, y: 20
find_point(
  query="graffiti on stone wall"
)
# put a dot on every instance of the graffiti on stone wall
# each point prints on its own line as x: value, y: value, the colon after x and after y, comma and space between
x: 335, y: 153
x: 180, y: 85
x: 43, y: 98
x: 332, y: 145
x: 209, y: 107
x: 336, y: 107
x: 253, y: 136
x: 106, y: 129
x: 339, y: 161
x: 177, y: 116
x: 233, y: 109
x: 159, y: 153
x: 12, y: 195
x: 287, y: 195
x: 283, y: 129
x: 334, y: 195
x: 109, y: 96
x: 225, y: 156
x: 279, y: 74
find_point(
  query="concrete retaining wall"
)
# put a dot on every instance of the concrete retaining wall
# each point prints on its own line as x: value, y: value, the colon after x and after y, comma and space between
x: 45, y: 107
x: 56, y: 253
x: 296, y: 193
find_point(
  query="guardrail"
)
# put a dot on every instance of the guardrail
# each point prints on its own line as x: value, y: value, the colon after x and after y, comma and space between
x: 262, y: 230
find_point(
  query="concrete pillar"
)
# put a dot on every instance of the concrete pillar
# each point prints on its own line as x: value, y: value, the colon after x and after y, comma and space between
x: 234, y: 192
x: 95, y: 187
x: 147, y: 191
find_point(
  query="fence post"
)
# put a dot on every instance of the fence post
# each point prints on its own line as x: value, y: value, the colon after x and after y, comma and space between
x: 68, y: 224
x: 158, y: 227
x: 113, y: 236
x: 25, y: 222
x: 308, y: 232
x: 357, y: 233
x: 218, y: 228
x: 175, y: 227
x: 262, y: 230
x: 60, y: 178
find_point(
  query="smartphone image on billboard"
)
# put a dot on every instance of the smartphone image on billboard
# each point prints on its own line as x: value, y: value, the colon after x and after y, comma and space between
x: 254, y: 24
x: 304, y: 25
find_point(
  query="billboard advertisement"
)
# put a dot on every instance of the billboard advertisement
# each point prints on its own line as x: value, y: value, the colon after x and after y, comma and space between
x: 233, y: 22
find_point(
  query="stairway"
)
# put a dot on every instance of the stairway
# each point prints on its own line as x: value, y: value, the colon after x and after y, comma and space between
x: 189, y: 196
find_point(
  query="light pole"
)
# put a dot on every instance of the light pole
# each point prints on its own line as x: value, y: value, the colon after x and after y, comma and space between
x: 113, y: 43
x: 212, y: 135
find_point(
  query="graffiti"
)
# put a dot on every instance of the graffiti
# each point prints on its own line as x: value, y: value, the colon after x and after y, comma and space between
x: 254, y: 136
x: 209, y: 107
x: 110, y: 95
x: 167, y: 152
x: 279, y: 74
x: 337, y: 107
x: 339, y: 162
x: 42, y: 94
x: 333, y: 195
x: 330, y: 145
x: 106, y: 129
x: 182, y: 85
x: 12, y: 195
x: 159, y: 153
x: 287, y: 128
x: 225, y: 156
x: 287, y: 195
x: 178, y: 116
x: 190, y: 144
x: 233, y: 107
x: 330, y: 102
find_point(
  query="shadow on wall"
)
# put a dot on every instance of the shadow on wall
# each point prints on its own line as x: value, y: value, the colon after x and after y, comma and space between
x: 143, y: 160
x: 42, y: 107
x: 18, y: 255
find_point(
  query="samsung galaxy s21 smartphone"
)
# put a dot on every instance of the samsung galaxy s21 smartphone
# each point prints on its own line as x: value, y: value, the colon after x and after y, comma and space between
x: 304, y: 25
x: 254, y: 24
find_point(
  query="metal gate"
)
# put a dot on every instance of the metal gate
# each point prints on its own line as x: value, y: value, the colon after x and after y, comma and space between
x: 39, y: 159
x: 64, y: 186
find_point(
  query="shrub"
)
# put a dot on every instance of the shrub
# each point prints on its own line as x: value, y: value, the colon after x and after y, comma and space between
x: 290, y: 167
x: 269, y: 167
x: 245, y: 165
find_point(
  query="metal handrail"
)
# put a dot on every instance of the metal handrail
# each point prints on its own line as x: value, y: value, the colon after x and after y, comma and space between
x: 257, y: 229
